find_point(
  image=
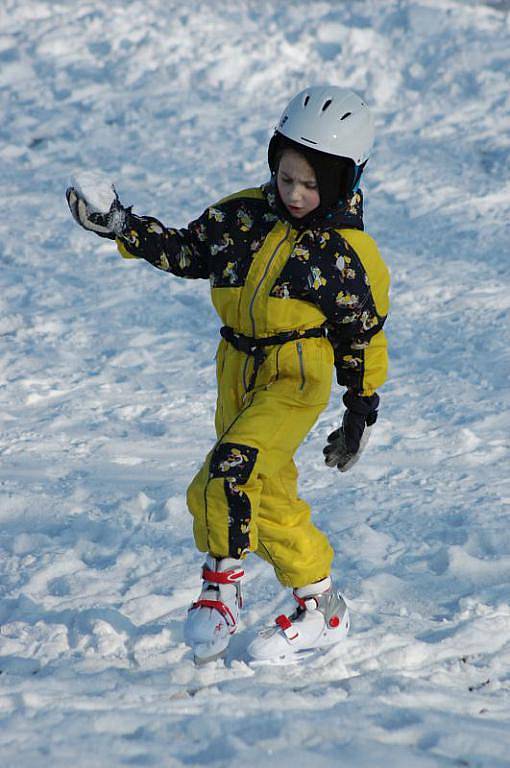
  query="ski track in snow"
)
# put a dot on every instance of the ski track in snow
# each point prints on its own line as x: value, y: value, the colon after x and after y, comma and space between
x: 107, y: 390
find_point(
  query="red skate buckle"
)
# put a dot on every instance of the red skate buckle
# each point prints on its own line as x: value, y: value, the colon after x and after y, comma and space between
x: 217, y: 605
x: 221, y: 577
x: 285, y: 625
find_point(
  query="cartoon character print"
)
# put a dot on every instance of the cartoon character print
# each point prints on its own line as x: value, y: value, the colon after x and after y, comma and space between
x: 320, y: 281
x: 229, y: 273
x: 234, y: 463
x: 235, y: 491
x: 343, y: 264
x: 301, y: 253
x: 225, y: 242
x: 281, y: 291
x: 234, y: 459
x: 245, y: 221
x: 216, y: 214
x: 324, y: 238
x: 184, y: 258
x: 133, y: 238
x: 368, y: 321
x: 232, y: 243
x: 163, y: 262
x: 346, y: 319
x: 346, y: 299
x: 201, y: 232
x: 351, y: 362
x: 315, y: 279
x: 271, y: 198
x: 354, y: 203
x: 239, y: 521
x: 243, y: 523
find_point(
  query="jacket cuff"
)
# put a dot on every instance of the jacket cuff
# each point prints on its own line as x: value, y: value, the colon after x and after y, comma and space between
x: 359, y: 404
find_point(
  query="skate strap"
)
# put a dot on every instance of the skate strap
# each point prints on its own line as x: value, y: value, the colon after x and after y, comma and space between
x: 217, y: 605
x: 312, y: 604
x: 287, y: 627
x: 221, y: 577
x: 307, y: 603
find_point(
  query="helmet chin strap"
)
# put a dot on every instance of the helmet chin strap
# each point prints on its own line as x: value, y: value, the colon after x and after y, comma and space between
x: 358, y: 172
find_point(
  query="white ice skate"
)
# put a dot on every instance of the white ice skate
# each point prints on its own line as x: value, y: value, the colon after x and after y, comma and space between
x: 213, y: 617
x: 320, y: 620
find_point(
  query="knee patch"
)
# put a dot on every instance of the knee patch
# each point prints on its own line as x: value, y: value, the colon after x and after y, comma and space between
x: 233, y: 461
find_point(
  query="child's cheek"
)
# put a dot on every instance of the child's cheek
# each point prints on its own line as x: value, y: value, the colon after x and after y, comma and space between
x: 314, y: 199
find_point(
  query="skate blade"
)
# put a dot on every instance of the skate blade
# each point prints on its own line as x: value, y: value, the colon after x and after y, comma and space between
x: 201, y: 661
x: 205, y: 654
x: 299, y: 657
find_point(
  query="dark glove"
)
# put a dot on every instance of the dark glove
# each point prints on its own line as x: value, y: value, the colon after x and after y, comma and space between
x: 346, y: 444
x: 109, y: 223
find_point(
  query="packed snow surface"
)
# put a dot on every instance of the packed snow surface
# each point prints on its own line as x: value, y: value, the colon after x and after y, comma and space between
x: 107, y: 394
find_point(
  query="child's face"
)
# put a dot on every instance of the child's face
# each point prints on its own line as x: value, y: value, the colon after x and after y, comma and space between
x: 297, y: 184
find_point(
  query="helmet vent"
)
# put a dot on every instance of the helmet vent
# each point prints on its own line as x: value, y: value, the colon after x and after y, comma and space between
x: 307, y: 99
x: 347, y: 114
x: 326, y: 105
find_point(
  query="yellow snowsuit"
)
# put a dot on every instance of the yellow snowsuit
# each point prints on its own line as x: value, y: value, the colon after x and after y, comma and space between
x: 269, y: 277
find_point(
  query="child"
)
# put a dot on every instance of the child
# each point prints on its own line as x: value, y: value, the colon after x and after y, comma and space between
x: 299, y: 287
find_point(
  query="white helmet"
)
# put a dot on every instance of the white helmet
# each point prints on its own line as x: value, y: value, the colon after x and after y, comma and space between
x: 330, y: 119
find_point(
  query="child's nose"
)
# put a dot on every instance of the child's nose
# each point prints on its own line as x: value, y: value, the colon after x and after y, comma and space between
x: 295, y: 192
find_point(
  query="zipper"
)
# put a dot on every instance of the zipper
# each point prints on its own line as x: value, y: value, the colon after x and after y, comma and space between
x: 266, y: 270
x: 245, y: 366
x: 219, y: 378
x: 301, y: 364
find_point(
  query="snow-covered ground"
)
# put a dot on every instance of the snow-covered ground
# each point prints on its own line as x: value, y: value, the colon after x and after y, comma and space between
x: 107, y: 389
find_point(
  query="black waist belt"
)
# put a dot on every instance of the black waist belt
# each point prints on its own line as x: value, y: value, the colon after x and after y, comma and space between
x: 256, y: 347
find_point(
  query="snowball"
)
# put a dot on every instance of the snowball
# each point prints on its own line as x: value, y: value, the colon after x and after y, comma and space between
x: 96, y: 188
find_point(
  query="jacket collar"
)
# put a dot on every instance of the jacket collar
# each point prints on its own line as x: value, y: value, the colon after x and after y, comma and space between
x: 345, y: 215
